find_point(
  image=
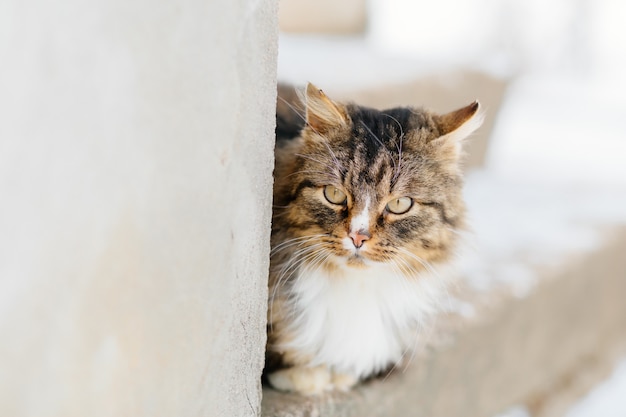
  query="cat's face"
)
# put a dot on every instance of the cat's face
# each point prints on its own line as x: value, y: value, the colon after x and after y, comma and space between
x: 363, y: 187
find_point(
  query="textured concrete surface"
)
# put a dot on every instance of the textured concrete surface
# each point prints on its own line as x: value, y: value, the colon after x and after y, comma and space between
x: 135, y: 178
x: 540, y: 350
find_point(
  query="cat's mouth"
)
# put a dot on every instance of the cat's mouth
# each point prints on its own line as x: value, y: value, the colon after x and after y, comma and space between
x: 357, y: 260
x: 356, y: 257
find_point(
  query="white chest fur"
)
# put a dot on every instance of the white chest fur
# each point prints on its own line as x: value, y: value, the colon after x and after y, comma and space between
x: 358, y: 320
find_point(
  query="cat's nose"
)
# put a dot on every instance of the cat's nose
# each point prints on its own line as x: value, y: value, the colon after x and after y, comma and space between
x: 359, y: 237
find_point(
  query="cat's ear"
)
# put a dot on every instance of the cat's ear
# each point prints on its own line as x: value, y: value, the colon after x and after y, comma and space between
x: 453, y: 128
x: 323, y: 114
x: 456, y: 126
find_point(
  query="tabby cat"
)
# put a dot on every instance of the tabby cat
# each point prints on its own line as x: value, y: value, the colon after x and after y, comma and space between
x: 367, y: 203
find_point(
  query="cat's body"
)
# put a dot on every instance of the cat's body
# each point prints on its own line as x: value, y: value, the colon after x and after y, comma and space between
x: 365, y: 203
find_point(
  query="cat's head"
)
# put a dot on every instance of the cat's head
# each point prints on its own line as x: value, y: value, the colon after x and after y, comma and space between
x: 362, y: 186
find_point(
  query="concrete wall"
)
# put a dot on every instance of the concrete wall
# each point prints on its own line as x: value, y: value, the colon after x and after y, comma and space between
x: 136, y: 143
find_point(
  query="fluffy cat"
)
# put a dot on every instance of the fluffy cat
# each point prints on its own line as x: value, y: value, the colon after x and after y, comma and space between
x: 366, y: 204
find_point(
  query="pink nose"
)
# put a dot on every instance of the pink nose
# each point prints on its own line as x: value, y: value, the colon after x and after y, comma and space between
x: 359, y: 237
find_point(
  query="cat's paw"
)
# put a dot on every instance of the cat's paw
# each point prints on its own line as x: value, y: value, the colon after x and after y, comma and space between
x: 303, y: 380
x: 343, y: 382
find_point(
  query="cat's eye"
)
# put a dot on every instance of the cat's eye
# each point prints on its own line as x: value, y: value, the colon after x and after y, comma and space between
x: 399, y: 205
x: 335, y: 195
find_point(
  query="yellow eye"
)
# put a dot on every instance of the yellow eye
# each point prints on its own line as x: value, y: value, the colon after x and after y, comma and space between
x: 335, y: 195
x: 399, y: 205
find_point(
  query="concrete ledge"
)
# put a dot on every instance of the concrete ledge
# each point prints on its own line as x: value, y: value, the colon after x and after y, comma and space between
x: 541, y: 349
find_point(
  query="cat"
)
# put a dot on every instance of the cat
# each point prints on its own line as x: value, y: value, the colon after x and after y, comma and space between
x: 366, y: 204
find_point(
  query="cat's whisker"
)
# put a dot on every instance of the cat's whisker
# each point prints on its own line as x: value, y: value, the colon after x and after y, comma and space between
x: 312, y: 261
x: 319, y: 256
x: 284, y: 274
x: 380, y: 142
x: 427, y: 265
x: 277, y: 285
x: 408, y: 272
x: 301, y: 265
x: 297, y: 240
x: 422, y: 261
x: 398, y: 147
x: 405, y: 272
x: 404, y: 267
x: 311, y: 158
x: 303, y: 117
x: 298, y: 257
x: 276, y: 215
x: 340, y: 169
x: 315, y: 261
x: 291, y: 242
x: 310, y: 172
x: 295, y: 261
x: 295, y: 257
x: 432, y: 291
x: 293, y: 108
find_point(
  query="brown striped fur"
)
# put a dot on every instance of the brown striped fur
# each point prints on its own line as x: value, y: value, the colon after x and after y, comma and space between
x: 399, y: 152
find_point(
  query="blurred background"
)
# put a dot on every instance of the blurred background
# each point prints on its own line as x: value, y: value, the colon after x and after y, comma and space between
x: 546, y: 174
x: 552, y: 72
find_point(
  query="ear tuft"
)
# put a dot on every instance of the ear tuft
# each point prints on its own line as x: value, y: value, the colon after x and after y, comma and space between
x: 461, y: 122
x: 456, y: 126
x: 322, y: 113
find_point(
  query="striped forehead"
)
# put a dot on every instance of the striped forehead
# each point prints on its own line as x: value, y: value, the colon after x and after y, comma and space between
x: 369, y: 171
x: 366, y: 160
x: 373, y: 152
